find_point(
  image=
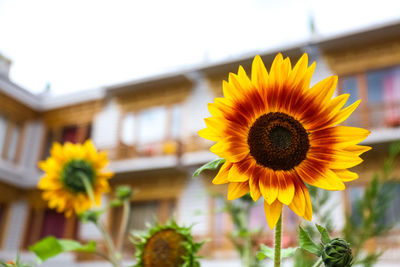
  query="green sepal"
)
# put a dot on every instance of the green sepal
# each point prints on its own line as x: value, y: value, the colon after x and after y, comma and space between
x: 91, y: 215
x: 325, y: 238
x: 212, y: 165
x: 50, y: 246
x: 306, y: 243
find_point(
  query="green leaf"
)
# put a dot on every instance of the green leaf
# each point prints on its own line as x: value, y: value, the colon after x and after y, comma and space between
x: 265, y: 252
x: 50, y: 246
x: 325, y: 238
x: 212, y: 165
x: 288, y: 252
x: 306, y: 243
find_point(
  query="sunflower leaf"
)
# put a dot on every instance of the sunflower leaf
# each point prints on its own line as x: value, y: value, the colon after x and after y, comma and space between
x: 50, y: 246
x: 265, y: 252
x: 288, y: 252
x: 306, y: 243
x: 212, y: 165
x: 325, y: 238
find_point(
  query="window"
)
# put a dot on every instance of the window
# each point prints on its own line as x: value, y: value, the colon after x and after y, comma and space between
x: 128, y: 129
x: 384, y: 85
x: 143, y: 213
x: 350, y: 86
x: 384, y: 94
x: 375, y: 81
x: 152, y: 125
x: 176, y: 120
x: 70, y: 134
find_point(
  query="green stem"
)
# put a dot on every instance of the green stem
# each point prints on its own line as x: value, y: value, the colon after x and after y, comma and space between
x: 278, y: 242
x: 318, y: 263
x: 247, y: 252
x: 124, y: 224
x: 109, y: 244
x: 88, y: 187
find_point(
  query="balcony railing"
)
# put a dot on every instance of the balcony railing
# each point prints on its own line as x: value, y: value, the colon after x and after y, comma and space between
x: 166, y: 148
x: 376, y: 116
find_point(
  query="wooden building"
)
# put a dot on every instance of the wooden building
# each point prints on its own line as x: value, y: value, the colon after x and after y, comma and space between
x: 150, y: 129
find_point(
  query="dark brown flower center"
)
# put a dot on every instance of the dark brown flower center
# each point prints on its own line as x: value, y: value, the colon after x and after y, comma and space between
x: 164, y: 248
x: 278, y: 141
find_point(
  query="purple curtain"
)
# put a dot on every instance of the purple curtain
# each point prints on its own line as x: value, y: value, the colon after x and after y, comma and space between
x: 53, y: 224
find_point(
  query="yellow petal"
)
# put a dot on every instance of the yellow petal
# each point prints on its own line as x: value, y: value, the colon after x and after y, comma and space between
x: 286, y: 188
x: 222, y: 176
x: 323, y: 91
x: 259, y: 73
x: 308, y: 206
x: 209, y: 134
x: 254, y: 188
x: 346, y: 135
x: 299, y: 70
x: 357, y: 149
x: 326, y: 179
x: 298, y: 203
x: 236, y: 190
x: 346, y: 175
x: 273, y: 212
x: 344, y: 113
x: 238, y: 173
x: 344, y: 160
x: 268, y: 187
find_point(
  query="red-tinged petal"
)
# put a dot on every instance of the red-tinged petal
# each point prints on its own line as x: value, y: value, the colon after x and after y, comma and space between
x: 222, y: 176
x: 269, y: 186
x: 298, y: 204
x: 325, y: 179
x: 286, y: 187
x: 236, y: 190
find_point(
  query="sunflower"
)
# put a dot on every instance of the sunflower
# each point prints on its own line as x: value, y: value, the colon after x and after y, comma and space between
x: 276, y: 134
x: 65, y: 170
x: 167, y: 245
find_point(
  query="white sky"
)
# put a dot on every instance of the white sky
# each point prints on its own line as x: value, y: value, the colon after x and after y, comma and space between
x: 84, y: 44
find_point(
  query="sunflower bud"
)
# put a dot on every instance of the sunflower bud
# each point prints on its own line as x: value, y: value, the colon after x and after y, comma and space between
x: 124, y: 192
x: 337, y: 253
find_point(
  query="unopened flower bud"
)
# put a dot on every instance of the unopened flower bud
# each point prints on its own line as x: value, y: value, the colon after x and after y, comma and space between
x: 337, y: 253
x: 124, y: 192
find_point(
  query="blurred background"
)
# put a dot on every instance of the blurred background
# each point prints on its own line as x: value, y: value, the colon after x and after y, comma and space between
x: 136, y: 77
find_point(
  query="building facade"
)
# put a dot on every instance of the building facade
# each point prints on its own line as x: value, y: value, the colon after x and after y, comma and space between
x: 149, y: 128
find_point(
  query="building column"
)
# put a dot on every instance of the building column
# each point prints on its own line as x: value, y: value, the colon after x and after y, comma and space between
x: 15, y: 227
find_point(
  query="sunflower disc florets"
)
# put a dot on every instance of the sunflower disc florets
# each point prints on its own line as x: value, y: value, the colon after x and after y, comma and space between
x: 167, y: 245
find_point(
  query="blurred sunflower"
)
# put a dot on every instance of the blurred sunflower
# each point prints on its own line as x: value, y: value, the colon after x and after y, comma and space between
x: 65, y: 171
x: 276, y: 134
